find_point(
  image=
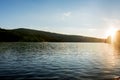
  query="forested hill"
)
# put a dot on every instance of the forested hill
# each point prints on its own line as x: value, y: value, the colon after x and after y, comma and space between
x: 29, y: 35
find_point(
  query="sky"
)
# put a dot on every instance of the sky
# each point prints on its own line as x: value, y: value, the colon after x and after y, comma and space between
x: 74, y: 17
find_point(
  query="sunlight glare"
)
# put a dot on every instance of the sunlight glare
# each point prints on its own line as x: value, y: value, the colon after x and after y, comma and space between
x: 111, y: 32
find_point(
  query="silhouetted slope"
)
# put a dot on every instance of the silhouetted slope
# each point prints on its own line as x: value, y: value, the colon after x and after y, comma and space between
x: 29, y: 35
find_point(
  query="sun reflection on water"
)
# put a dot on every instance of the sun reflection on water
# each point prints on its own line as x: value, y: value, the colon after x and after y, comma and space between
x: 111, y: 57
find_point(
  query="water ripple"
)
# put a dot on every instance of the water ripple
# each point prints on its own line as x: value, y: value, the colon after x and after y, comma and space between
x: 58, y: 61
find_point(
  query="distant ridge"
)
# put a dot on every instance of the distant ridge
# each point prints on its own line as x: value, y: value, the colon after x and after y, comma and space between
x: 30, y: 35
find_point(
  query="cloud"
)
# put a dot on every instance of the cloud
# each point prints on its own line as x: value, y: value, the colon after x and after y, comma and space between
x: 67, y: 14
x: 112, y: 22
x: 92, y: 29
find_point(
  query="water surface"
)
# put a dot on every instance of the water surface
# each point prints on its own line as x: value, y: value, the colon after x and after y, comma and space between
x: 59, y: 61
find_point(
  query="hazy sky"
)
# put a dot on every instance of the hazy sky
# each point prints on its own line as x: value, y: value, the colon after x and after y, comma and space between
x: 77, y: 17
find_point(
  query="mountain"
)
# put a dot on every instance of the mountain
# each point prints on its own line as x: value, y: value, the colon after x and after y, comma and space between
x: 29, y: 35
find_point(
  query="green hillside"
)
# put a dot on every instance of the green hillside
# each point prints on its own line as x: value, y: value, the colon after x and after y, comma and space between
x: 29, y: 35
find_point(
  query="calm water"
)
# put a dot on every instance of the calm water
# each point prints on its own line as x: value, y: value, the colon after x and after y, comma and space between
x: 59, y: 61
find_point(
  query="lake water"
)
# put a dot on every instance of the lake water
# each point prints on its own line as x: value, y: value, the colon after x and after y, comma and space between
x: 59, y: 61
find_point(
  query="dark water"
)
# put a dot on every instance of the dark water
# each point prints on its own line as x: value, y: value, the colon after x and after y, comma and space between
x: 59, y: 61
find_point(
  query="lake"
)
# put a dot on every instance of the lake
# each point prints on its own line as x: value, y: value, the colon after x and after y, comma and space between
x: 59, y: 61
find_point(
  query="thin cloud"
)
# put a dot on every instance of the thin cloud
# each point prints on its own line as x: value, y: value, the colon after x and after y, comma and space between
x: 67, y: 14
x: 92, y: 29
x: 112, y: 22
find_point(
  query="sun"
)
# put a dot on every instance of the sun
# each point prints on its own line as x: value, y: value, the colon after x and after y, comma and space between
x: 111, y: 32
